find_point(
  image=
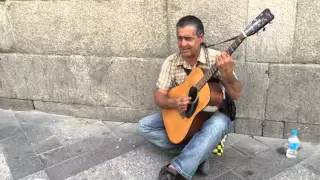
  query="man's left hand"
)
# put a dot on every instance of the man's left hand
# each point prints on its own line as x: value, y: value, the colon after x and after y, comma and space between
x: 225, y: 64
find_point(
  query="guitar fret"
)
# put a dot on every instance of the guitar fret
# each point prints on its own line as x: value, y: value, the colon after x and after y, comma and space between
x: 213, y: 70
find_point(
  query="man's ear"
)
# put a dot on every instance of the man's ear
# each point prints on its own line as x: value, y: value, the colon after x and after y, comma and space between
x: 202, y: 37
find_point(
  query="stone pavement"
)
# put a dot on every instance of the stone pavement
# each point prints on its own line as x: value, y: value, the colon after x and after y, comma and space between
x: 36, y: 145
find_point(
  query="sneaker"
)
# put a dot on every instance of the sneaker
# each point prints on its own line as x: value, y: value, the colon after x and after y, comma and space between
x: 167, y: 173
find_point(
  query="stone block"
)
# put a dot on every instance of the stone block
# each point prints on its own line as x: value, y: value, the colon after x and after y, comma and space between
x: 298, y: 172
x: 16, y: 104
x: 4, y: 168
x: 53, y: 157
x: 24, y: 168
x: 62, y: 170
x: 126, y: 114
x: 307, y: 38
x: 293, y: 93
x: 102, y: 28
x: 218, y: 25
x: 250, y: 147
x: 307, y: 132
x: 227, y: 176
x: 255, y: 81
x: 249, y: 127
x: 273, y: 129
x: 132, y: 165
x: 312, y: 163
x: 77, y: 110
x: 231, y: 158
x: 114, y: 81
x: 6, y: 38
x: 70, y: 130
x: 275, y: 44
x: 38, y: 175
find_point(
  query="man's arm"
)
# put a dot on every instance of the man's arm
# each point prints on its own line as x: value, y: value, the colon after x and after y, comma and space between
x: 225, y: 65
x: 163, y: 101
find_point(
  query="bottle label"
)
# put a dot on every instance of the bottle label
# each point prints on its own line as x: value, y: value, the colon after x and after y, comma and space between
x: 293, y: 146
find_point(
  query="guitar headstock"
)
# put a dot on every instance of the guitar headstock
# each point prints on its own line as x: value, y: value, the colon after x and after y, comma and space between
x: 259, y: 22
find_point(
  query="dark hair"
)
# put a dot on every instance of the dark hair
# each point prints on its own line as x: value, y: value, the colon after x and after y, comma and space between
x: 191, y: 20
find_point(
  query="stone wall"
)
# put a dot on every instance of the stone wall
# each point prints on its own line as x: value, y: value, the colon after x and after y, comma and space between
x: 101, y: 59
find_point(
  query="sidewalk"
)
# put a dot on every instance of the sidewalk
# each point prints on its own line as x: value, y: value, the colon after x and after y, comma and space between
x: 36, y: 145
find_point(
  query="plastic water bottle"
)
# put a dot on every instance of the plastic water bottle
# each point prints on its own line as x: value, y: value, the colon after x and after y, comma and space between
x: 293, y: 145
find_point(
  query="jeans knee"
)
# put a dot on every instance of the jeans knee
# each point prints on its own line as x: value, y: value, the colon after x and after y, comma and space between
x: 141, y: 126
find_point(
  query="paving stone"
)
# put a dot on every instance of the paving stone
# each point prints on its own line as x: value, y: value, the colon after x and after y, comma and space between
x: 233, y: 138
x: 7, y: 118
x: 273, y: 129
x: 130, y: 132
x: 73, y: 129
x: 16, y: 149
x: 62, y: 170
x: 54, y: 156
x: 36, y: 133
x: 216, y: 170
x: 4, y: 169
x: 37, y: 117
x: 46, y: 145
x: 92, y: 158
x: 250, y: 147
x: 228, y: 176
x: 143, y: 163
x: 264, y: 166
x: 231, y: 158
x: 112, y: 124
x: 40, y: 175
x: 273, y: 143
x: 312, y: 163
x: 91, y: 143
x: 25, y: 167
x: 298, y: 172
x: 9, y: 131
x: 249, y: 127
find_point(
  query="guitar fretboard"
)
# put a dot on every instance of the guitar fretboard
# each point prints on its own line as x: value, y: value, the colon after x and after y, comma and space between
x: 214, y: 70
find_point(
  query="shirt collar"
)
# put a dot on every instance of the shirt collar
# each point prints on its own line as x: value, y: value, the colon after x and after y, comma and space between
x: 201, y: 58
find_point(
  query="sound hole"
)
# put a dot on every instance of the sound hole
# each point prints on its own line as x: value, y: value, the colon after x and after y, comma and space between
x: 193, y: 93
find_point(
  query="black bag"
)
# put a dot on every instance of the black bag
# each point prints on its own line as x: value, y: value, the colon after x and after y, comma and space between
x: 228, y: 107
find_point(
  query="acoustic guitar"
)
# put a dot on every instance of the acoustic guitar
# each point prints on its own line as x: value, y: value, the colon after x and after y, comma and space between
x: 181, y: 127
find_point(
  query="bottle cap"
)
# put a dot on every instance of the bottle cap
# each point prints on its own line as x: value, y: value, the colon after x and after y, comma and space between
x: 294, y: 132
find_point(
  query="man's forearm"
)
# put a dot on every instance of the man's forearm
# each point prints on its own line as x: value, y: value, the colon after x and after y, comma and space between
x: 233, y: 86
x: 163, y: 101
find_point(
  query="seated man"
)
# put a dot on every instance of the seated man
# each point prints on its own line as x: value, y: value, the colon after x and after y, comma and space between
x: 192, y: 53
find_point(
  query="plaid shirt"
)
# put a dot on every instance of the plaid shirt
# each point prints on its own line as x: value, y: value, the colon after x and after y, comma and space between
x: 172, y: 72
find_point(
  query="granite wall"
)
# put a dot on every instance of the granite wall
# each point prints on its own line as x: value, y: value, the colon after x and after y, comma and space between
x: 101, y: 58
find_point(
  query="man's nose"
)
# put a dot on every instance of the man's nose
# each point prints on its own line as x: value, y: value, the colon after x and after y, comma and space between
x: 183, y: 42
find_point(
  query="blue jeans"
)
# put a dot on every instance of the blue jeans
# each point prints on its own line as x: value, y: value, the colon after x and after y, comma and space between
x: 198, y: 149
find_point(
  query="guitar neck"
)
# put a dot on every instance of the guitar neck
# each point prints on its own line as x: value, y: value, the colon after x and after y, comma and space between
x: 214, y: 70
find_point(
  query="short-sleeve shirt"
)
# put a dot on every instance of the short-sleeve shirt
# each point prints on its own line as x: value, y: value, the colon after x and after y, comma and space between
x: 172, y: 70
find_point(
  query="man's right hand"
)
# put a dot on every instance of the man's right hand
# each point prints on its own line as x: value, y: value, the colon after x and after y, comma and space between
x: 181, y: 103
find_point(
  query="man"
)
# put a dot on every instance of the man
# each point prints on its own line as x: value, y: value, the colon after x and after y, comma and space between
x: 193, y: 155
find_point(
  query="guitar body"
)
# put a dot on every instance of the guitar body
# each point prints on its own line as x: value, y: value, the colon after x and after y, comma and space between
x: 180, y: 127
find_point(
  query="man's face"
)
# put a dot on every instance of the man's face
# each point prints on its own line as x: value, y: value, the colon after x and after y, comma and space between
x: 188, y: 42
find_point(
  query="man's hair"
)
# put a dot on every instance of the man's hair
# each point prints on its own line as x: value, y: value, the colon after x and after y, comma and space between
x: 191, y: 20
